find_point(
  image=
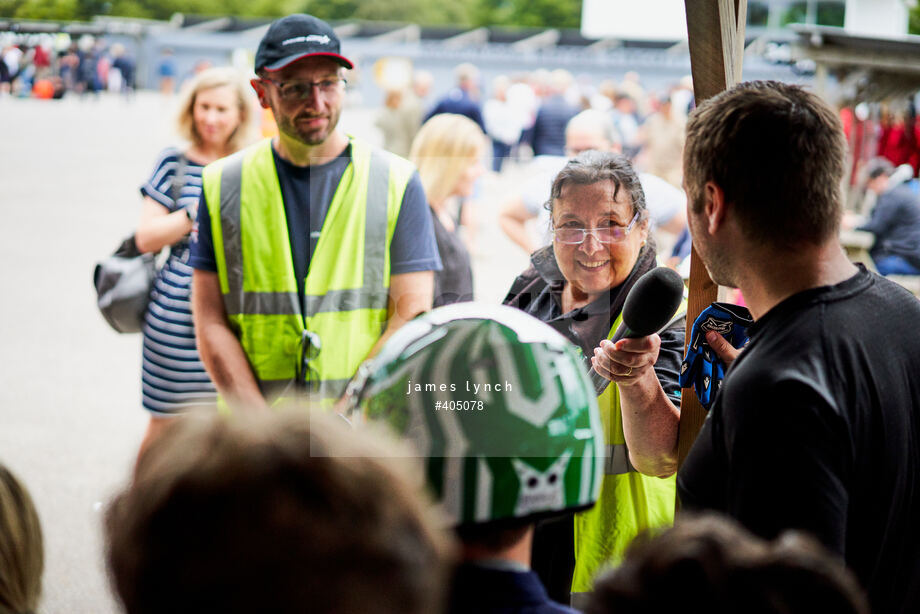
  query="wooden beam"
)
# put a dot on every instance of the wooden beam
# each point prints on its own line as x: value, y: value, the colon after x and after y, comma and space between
x: 715, y: 31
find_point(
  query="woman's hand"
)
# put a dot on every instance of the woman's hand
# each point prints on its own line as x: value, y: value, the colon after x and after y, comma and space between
x: 158, y: 227
x: 628, y: 360
x: 649, y: 418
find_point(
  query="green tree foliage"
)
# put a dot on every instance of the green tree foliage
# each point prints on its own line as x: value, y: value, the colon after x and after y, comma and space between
x: 757, y: 14
x: 535, y: 13
x: 150, y: 9
x: 43, y: 9
x: 826, y: 13
x: 831, y: 14
x: 424, y: 12
x: 914, y: 27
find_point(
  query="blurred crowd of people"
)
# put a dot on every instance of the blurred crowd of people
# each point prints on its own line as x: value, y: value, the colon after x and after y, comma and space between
x: 52, y: 67
x: 884, y: 162
x: 525, y: 115
x: 892, y: 133
x: 526, y: 118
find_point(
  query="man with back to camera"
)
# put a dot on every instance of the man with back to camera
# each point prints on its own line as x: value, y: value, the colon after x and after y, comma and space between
x: 817, y: 423
x: 462, y: 99
x: 312, y: 247
x: 555, y: 111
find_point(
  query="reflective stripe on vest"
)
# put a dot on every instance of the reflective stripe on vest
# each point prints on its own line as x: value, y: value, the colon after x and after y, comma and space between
x: 629, y: 503
x: 347, y: 284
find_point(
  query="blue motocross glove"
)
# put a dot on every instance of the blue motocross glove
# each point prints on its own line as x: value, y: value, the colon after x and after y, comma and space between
x: 702, y: 368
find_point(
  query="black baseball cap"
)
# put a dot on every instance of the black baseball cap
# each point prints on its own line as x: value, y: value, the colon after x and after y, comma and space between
x: 296, y: 37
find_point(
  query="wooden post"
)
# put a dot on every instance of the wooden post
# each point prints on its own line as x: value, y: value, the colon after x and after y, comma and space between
x: 715, y: 30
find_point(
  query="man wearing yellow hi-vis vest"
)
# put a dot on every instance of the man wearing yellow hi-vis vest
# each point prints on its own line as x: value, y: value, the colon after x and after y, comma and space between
x: 312, y: 247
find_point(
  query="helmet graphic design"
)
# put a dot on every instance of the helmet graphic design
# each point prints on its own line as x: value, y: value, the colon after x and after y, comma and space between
x: 499, y: 406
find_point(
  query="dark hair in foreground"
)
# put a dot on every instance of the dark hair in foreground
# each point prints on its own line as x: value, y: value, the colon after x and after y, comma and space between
x: 778, y: 152
x: 710, y: 564
x: 275, y: 513
x: 494, y: 536
x: 22, y: 557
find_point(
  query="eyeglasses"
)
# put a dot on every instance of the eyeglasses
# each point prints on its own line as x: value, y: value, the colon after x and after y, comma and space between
x: 608, y: 234
x: 308, y: 377
x: 295, y: 91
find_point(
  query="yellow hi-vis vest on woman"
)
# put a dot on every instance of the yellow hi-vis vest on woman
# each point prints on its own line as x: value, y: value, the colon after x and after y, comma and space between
x: 629, y: 503
x: 348, y: 281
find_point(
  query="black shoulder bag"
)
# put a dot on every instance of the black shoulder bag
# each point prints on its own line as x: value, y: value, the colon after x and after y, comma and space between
x: 123, y: 280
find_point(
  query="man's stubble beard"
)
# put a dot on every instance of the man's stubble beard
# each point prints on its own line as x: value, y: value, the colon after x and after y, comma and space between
x: 715, y: 257
x: 311, y: 137
x: 289, y: 128
x: 718, y: 266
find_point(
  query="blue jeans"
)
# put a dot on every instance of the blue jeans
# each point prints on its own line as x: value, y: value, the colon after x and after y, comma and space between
x: 895, y: 265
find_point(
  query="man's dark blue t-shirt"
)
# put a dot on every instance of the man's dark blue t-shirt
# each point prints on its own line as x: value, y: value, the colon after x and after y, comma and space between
x: 413, y: 247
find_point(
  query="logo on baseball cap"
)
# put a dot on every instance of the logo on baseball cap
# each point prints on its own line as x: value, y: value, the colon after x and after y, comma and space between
x: 296, y: 37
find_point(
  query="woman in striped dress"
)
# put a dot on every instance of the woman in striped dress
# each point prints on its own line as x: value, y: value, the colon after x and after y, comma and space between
x: 215, y: 113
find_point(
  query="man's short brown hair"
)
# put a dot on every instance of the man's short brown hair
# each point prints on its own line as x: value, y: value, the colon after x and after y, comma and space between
x: 280, y: 514
x: 778, y: 152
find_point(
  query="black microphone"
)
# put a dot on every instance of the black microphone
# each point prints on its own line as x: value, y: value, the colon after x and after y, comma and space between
x: 648, y: 309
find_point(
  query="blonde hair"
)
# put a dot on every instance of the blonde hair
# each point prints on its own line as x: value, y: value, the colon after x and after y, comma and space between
x: 22, y: 556
x: 443, y: 149
x: 209, y: 79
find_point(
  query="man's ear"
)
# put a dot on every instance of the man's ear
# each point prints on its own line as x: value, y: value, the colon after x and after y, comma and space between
x: 714, y: 206
x: 260, y: 92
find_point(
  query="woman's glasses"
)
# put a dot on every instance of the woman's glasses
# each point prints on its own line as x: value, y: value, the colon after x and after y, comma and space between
x: 607, y: 234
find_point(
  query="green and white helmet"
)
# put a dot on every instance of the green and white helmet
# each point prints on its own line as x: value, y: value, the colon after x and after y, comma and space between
x: 499, y: 405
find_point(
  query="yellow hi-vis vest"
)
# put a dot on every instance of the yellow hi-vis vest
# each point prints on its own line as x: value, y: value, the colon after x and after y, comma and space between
x: 348, y: 280
x: 629, y: 503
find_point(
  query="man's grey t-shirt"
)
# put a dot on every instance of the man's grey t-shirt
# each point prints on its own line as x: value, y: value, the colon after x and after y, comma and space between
x: 413, y: 247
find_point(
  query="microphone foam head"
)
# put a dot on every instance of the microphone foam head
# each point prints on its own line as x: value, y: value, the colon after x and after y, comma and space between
x: 652, y: 302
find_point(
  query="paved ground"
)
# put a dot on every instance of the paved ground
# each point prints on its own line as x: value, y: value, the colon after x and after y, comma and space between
x: 70, y: 418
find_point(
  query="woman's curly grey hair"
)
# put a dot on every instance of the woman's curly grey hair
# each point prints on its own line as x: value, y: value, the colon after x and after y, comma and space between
x: 593, y: 166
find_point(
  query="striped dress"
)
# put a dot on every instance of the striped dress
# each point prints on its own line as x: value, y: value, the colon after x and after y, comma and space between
x: 172, y: 374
